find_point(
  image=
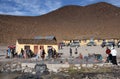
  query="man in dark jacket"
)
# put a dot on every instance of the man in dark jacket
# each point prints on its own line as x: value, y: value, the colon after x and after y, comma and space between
x: 71, y: 52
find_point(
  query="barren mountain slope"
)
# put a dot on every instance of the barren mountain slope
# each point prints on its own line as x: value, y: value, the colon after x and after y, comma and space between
x: 96, y: 20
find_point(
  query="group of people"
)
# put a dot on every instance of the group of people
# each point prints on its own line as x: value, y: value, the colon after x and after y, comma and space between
x: 111, y: 55
x: 41, y: 54
x: 26, y: 53
x: 51, y: 53
x: 10, y: 53
x: 71, y: 52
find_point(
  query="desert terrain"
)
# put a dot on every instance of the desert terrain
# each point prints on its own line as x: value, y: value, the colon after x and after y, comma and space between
x: 100, y: 20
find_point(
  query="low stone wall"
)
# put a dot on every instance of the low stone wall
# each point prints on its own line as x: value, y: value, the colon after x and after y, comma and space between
x: 59, y: 67
x: 11, y: 67
x: 64, y: 71
x: 77, y: 71
x: 29, y: 67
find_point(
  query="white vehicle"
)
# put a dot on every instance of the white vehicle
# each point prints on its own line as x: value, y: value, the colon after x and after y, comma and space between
x: 118, y: 44
x: 75, y: 44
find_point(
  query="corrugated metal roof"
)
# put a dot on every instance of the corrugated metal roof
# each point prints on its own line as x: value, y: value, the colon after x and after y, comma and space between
x: 37, y: 41
x: 38, y: 37
x: 46, y: 37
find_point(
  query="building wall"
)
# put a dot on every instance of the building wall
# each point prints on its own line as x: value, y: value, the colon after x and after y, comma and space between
x: 98, y: 42
x: 84, y: 42
x: 66, y: 41
x: 116, y: 41
x: 19, y: 46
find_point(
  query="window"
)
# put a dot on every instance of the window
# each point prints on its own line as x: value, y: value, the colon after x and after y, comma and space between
x: 26, y: 47
x: 49, y: 47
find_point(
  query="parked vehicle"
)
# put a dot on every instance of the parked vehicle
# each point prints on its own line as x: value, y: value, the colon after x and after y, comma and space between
x: 91, y: 44
x: 62, y: 44
x: 118, y: 44
x: 103, y: 44
x: 109, y: 43
x: 75, y: 44
x: 68, y: 44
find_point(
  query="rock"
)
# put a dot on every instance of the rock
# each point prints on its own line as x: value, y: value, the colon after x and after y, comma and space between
x: 11, y: 67
x: 41, y: 69
x: 27, y: 70
x: 29, y: 76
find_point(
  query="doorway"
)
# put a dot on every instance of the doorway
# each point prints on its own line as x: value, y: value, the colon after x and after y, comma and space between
x: 35, y: 49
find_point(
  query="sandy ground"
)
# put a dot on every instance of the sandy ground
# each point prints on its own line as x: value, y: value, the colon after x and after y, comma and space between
x: 84, y: 50
x: 3, y: 50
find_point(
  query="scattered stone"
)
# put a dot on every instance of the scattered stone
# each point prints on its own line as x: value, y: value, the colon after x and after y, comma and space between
x: 41, y: 69
x: 28, y: 76
x: 11, y: 67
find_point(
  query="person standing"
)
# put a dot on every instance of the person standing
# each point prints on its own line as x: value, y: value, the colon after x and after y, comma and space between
x: 76, y: 51
x: 109, y: 55
x: 25, y: 54
x: 50, y: 53
x: 13, y: 52
x: 9, y: 53
x: 54, y: 53
x: 43, y: 54
x: 80, y: 56
x: 114, y: 56
x: 22, y: 53
x: 39, y: 53
x: 71, y: 52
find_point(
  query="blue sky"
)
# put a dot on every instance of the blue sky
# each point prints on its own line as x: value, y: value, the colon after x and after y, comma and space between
x: 39, y: 7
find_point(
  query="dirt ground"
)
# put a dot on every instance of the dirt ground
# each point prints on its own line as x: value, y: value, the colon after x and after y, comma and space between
x: 84, y: 50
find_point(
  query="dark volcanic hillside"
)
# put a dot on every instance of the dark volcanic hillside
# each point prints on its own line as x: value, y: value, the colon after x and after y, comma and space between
x: 97, y: 20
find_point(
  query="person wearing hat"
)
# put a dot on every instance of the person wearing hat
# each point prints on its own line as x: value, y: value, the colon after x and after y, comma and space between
x: 114, y: 55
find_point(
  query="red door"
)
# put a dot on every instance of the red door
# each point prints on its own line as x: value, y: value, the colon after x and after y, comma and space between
x: 35, y: 49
